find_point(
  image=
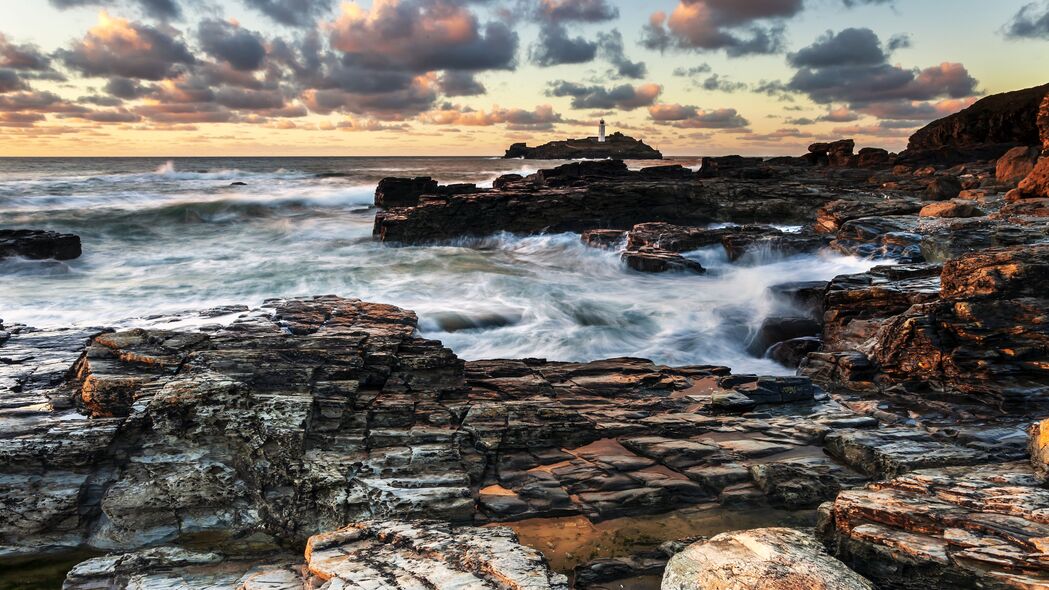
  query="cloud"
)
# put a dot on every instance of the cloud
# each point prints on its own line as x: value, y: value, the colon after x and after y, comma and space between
x: 849, y: 47
x: 691, y: 117
x: 460, y: 84
x: 738, y: 28
x: 1031, y: 22
x: 117, y: 47
x: 22, y: 57
x: 852, y: 67
x: 839, y: 115
x: 590, y: 11
x: 422, y: 36
x: 294, y: 13
x: 624, y: 97
x: 241, y: 48
x: 683, y: 72
x: 10, y: 81
x: 716, y: 83
x: 161, y: 9
x: 610, y: 46
x: 554, y: 47
x: 542, y: 117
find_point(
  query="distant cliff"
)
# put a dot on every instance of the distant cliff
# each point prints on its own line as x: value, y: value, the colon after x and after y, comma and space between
x: 618, y: 146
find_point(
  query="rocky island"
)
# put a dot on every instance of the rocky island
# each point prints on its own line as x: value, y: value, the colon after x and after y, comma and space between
x: 322, y: 442
x: 616, y: 145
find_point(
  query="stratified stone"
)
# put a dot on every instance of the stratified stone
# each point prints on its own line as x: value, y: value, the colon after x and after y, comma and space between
x: 1038, y: 446
x: 403, y: 192
x: 606, y: 239
x: 770, y: 559
x: 655, y: 260
x: 889, y: 452
x: 944, y: 529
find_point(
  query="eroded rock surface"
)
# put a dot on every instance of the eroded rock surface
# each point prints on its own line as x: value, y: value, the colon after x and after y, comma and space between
x: 771, y: 559
x: 38, y: 244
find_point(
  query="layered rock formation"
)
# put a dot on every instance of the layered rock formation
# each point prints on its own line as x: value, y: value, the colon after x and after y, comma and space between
x: 368, y: 554
x: 38, y: 244
x: 617, y: 146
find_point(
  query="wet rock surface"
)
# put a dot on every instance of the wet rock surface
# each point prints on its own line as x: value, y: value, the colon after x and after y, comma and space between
x: 38, y: 244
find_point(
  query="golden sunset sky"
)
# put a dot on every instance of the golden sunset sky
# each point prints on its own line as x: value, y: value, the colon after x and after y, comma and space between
x: 469, y: 77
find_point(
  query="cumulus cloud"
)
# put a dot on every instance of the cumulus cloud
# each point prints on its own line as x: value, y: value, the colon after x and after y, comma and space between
x: 1031, y: 22
x: 460, y: 84
x: 625, y: 97
x: 540, y: 118
x: 10, y: 81
x: 22, y: 57
x: 554, y: 47
x: 591, y: 11
x: 117, y: 47
x: 241, y: 48
x: 691, y: 117
x: 738, y: 28
x: 852, y: 67
x: 162, y: 9
x: 294, y: 13
x: 610, y: 46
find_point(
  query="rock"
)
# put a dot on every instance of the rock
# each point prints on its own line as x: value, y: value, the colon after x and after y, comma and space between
x: 943, y: 188
x: 943, y: 529
x: 601, y: 195
x: 790, y: 353
x: 675, y: 238
x: 173, y: 567
x: 1016, y: 164
x: 403, y: 192
x: 428, y: 555
x: 238, y: 184
x: 869, y: 157
x: 1025, y: 208
x: 772, y: 242
x: 733, y: 167
x: 771, y: 559
x: 890, y: 452
x: 655, y: 260
x: 1036, y: 185
x: 617, y: 146
x: 800, y: 483
x: 38, y: 245
x: 1043, y: 124
x: 1038, y: 447
x: 780, y: 329
x: 1008, y: 119
x: 1001, y: 273
x: 805, y: 296
x: 893, y: 237
x: 832, y: 216
x: 837, y: 154
x: 605, y: 239
x: 951, y: 209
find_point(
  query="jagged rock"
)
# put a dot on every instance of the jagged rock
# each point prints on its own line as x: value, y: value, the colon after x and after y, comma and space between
x: 771, y: 559
x: 655, y: 260
x: 733, y: 167
x: 1016, y: 164
x: 1008, y: 119
x: 774, y: 330
x: 944, y: 239
x: 943, y: 529
x: 403, y: 192
x: 1036, y: 185
x: 773, y: 241
x: 951, y: 209
x: 837, y: 153
x: 38, y: 245
x: 831, y: 217
x: 792, y: 352
x: 1043, y: 124
x: 600, y: 195
x: 1025, y: 208
x: 895, y: 237
x: 606, y: 239
x: 943, y: 188
x: 675, y: 238
x: 869, y: 157
x: 1038, y: 447
x: 806, y: 296
x: 617, y: 146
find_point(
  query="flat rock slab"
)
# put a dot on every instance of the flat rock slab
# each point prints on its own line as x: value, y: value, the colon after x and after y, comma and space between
x: 957, y: 527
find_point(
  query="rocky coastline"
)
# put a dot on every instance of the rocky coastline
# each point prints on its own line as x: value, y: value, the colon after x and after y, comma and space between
x: 324, y: 443
x: 616, y: 146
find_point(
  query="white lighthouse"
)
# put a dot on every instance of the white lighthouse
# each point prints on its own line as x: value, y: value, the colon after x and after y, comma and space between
x: 601, y: 132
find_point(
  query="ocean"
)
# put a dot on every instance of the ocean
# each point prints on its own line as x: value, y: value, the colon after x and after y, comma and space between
x: 167, y: 236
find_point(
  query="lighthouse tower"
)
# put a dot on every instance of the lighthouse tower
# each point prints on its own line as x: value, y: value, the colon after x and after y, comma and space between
x: 601, y: 132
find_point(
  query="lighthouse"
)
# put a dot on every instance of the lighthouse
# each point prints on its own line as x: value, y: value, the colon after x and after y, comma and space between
x: 601, y: 132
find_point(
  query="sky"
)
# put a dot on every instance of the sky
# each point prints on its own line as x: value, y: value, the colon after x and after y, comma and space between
x: 470, y: 77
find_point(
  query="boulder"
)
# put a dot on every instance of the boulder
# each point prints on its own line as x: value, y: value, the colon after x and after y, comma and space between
x: 792, y: 352
x: 780, y: 329
x: 1016, y: 164
x: 38, y: 244
x: 403, y: 192
x: 951, y: 209
x: 655, y: 260
x: 837, y: 154
x: 1036, y: 185
x: 770, y: 559
x: 943, y: 188
x: 869, y: 157
x: 832, y: 216
x: 605, y: 239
